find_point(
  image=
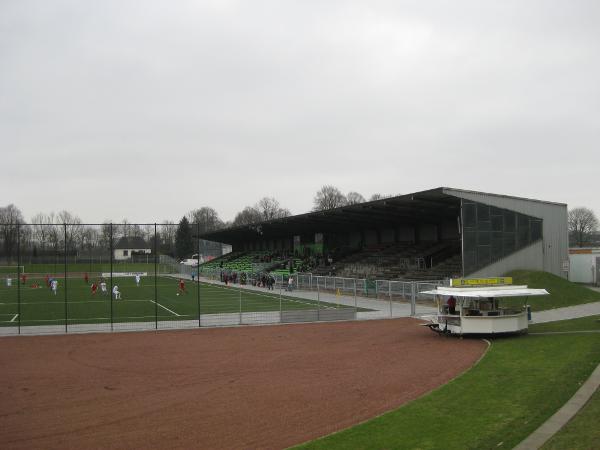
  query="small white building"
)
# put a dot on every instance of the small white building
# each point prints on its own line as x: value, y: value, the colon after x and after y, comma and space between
x: 584, y: 265
x: 128, y: 246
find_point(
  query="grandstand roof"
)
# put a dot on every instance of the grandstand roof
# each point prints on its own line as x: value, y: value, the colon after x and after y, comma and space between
x: 425, y: 206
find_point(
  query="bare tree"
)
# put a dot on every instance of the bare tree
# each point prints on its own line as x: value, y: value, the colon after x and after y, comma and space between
x: 270, y: 209
x: 247, y: 216
x: 10, y: 216
x: 582, y: 223
x: 167, y: 237
x: 328, y: 197
x: 353, y: 198
x: 41, y: 229
x: 207, y: 217
x: 105, y: 234
x: 74, y: 229
x: 147, y: 233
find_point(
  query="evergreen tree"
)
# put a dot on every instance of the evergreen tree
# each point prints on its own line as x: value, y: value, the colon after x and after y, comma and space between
x: 184, y: 244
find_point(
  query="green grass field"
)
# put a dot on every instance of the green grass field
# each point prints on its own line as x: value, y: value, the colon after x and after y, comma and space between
x: 74, y: 303
x: 519, y: 384
x: 582, y: 432
x: 72, y: 267
x: 562, y: 292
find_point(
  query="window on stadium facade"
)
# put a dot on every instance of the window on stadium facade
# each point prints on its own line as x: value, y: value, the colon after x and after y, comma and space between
x: 490, y: 234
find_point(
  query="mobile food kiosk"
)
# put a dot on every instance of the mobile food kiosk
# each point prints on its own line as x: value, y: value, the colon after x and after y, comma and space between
x: 475, y: 306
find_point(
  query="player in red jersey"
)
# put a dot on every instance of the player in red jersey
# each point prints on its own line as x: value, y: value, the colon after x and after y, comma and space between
x: 86, y: 278
x: 94, y: 288
x: 181, y: 289
x: 24, y: 279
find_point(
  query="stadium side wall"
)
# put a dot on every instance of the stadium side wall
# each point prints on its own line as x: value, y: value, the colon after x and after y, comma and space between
x: 555, y: 244
x: 530, y: 258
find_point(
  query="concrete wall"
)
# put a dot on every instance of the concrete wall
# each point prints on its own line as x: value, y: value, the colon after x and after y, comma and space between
x: 528, y: 258
x: 555, y: 242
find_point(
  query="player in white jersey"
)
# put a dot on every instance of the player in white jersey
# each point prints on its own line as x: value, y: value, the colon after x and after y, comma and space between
x: 116, y: 292
x: 8, y: 282
x: 103, y: 287
x: 54, y: 286
x: 137, y: 279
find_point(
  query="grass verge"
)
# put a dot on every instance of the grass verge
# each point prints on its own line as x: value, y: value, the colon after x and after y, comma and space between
x: 562, y: 292
x: 582, y: 432
x: 591, y: 323
x: 519, y: 384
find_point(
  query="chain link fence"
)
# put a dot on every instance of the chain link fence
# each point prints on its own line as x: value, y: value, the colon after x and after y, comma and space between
x: 64, y: 278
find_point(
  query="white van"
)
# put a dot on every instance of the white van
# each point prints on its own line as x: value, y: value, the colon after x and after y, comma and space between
x: 193, y: 261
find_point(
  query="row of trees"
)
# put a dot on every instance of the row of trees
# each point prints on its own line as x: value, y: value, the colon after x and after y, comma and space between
x: 48, y: 234
x: 583, y: 226
x: 329, y: 197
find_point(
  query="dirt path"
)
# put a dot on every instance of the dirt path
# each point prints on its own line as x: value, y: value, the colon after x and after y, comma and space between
x: 247, y: 387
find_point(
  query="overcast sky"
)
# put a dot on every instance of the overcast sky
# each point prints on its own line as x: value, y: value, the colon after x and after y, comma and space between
x: 147, y: 109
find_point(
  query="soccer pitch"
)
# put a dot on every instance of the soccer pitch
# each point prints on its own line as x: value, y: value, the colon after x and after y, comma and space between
x: 75, y: 303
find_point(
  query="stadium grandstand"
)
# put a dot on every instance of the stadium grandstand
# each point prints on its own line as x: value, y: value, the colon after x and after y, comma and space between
x: 433, y: 234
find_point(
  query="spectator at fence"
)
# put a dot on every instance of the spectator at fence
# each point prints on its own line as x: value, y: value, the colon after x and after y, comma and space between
x: 271, y: 281
x: 290, y: 285
x: 86, y: 278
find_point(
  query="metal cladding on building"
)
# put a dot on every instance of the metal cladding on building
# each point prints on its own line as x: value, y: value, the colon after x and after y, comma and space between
x: 549, y: 253
x: 494, y: 233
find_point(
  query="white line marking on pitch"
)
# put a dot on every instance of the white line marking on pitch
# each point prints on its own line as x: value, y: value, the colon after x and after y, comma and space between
x: 13, y: 319
x: 164, y: 307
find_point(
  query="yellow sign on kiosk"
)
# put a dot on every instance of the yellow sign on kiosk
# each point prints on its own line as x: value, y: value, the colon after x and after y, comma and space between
x: 500, y: 281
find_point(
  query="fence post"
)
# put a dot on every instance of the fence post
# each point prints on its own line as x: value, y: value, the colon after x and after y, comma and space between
x: 155, y: 282
x: 111, y: 277
x: 390, y: 298
x: 18, y: 278
x: 198, y: 275
x: 280, y: 304
x: 413, y: 298
x: 319, y: 298
x: 65, y: 261
x: 240, y: 294
x: 355, y: 301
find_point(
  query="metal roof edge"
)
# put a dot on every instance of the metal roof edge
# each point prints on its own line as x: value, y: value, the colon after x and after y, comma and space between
x: 467, y: 191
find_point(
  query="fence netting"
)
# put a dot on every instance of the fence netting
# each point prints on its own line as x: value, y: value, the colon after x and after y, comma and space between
x: 63, y: 278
